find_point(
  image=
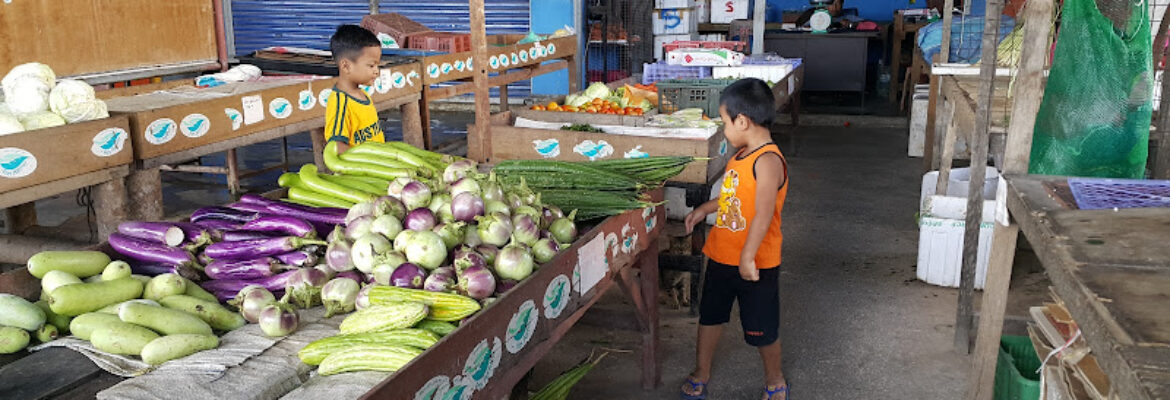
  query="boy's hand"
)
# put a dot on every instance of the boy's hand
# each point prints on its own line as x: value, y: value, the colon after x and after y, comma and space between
x: 693, y: 218
x: 748, y: 271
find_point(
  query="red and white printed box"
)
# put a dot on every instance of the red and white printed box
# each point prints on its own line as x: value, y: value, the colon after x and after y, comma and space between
x: 705, y: 57
x: 725, y: 11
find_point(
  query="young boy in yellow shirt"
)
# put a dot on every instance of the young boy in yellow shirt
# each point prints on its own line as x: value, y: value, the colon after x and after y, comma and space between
x: 350, y: 116
x: 744, y: 245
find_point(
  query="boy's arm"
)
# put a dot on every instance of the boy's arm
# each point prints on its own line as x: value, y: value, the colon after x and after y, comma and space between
x: 336, y: 128
x: 769, y: 174
x: 700, y: 213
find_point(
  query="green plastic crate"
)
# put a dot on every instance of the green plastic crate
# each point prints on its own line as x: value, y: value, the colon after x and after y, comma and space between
x: 678, y: 94
x: 1015, y: 371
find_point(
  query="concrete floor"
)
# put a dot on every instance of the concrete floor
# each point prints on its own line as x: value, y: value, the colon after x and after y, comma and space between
x: 856, y: 324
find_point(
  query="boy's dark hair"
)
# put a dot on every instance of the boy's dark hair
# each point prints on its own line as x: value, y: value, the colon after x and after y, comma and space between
x: 349, y: 41
x: 752, y: 98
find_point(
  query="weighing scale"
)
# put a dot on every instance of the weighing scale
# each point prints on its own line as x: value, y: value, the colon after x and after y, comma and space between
x: 821, y: 19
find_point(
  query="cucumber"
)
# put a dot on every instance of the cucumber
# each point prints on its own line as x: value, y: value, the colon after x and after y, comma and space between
x: 17, y: 312
x: 194, y: 290
x: 52, y: 318
x: 47, y: 333
x: 164, y: 285
x: 116, y: 270
x: 441, y: 328
x: 84, y: 325
x: 82, y: 264
x: 113, y: 308
x: 163, y: 320
x: 55, y: 279
x: 12, y: 339
x: 211, y: 312
x: 80, y: 298
x: 141, y: 278
x: 170, y: 347
x: 126, y: 339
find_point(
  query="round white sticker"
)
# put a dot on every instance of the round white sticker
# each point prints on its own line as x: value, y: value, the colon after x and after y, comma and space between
x: 504, y: 60
x: 556, y: 297
x: 108, y: 142
x: 552, y: 48
x: 16, y: 163
x: 521, y: 327
x: 434, y: 389
x: 433, y: 71
x: 523, y: 56
x: 494, y: 62
x: 397, y: 80
x: 236, y: 118
x: 446, y: 68
x: 280, y: 108
x: 306, y: 100
x: 160, y: 131
x: 195, y: 125
x: 515, y: 59
x: 459, y: 65
x: 323, y: 96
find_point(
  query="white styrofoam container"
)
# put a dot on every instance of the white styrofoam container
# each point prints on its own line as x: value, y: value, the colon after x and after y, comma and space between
x: 725, y: 11
x: 714, y: 37
x: 918, y: 107
x: 768, y: 73
x: 942, y: 225
x: 703, y: 11
x: 661, y: 4
x: 675, y: 21
x: 660, y: 40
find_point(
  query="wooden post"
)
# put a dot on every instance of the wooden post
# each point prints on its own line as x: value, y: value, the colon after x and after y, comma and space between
x: 373, y: 7
x: 896, y: 54
x: 648, y: 280
x: 21, y: 217
x: 479, y: 139
x: 110, y: 207
x: 931, y: 113
x: 758, y: 26
x: 233, y: 171
x: 144, y: 188
x: 1162, y: 160
x: 424, y: 116
x: 950, y: 135
x: 977, y: 142
x: 412, y: 132
x: 1028, y: 93
x: 944, y: 52
x: 317, y: 137
x: 503, y: 98
x: 574, y: 73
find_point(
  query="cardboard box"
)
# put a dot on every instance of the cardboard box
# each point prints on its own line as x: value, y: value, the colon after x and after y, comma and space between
x: 44, y: 155
x: 185, y: 117
x: 392, y: 29
x: 512, y: 143
x: 704, y: 57
x: 675, y: 21
x: 660, y: 40
x: 725, y: 11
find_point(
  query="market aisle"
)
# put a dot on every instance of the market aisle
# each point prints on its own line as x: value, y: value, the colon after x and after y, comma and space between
x: 855, y: 323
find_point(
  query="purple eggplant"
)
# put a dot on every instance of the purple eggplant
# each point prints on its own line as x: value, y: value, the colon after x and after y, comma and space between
x: 237, y: 235
x: 217, y: 224
x: 197, y: 235
x: 327, y: 215
x: 157, y: 232
x: 148, y: 251
x: 223, y: 213
x: 505, y: 285
x: 351, y: 274
x: 203, y: 259
x: 246, y: 249
x: 249, y: 207
x: 228, y: 288
x: 297, y: 258
x: 442, y: 279
x: 408, y: 275
x: 153, y: 269
x: 288, y: 226
x: 246, y: 269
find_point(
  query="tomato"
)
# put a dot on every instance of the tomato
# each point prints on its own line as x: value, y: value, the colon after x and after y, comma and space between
x: 638, y: 111
x: 538, y: 108
x: 596, y: 101
x: 569, y: 108
x: 621, y: 112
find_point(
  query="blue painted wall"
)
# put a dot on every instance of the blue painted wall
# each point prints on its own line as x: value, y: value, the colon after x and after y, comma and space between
x: 547, y: 17
x: 875, y: 10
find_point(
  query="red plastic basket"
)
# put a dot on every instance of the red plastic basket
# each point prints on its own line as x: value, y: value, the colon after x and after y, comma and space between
x: 695, y: 44
x: 445, y: 42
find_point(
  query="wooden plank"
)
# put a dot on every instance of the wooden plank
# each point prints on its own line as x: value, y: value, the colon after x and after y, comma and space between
x: 477, y: 140
x: 495, y: 81
x: 931, y: 113
x: 65, y: 151
x: 1162, y: 119
x: 53, y: 188
x: 21, y: 217
x: 445, y: 67
x: 45, y: 373
x: 87, y: 36
x: 948, y: 26
x: 648, y: 276
x: 950, y: 135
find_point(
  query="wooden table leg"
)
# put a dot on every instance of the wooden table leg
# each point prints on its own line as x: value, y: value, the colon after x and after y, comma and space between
x: 950, y: 136
x: 21, y: 217
x: 503, y: 98
x: 931, y: 112
x: 233, y: 172
x: 424, y: 115
x: 284, y: 153
x: 896, y: 58
x: 651, y: 363
x: 981, y: 380
x: 110, y: 207
x: 412, y: 131
x: 144, y: 189
x: 317, y: 137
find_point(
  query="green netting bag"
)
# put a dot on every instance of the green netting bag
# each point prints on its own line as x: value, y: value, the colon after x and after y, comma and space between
x: 1095, y: 117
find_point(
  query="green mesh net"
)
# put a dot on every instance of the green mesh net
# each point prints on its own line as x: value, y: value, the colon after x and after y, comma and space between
x: 1095, y: 117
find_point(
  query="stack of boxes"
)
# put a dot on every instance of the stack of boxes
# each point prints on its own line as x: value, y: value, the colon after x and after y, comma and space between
x: 678, y: 20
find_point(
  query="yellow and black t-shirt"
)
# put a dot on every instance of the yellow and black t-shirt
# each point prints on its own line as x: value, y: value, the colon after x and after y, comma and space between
x: 351, y: 120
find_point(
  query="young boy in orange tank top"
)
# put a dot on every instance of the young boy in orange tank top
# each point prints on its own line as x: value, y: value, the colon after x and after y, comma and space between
x: 744, y: 245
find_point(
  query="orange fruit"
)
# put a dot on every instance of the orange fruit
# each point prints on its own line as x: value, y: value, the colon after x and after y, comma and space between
x: 596, y: 101
x: 552, y: 105
x: 538, y: 108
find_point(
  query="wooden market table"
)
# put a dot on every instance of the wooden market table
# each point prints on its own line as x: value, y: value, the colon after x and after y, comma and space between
x: 1112, y: 270
x: 900, y: 29
x: 951, y: 111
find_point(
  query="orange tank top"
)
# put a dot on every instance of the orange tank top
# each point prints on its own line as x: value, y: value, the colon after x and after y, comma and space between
x: 737, y: 208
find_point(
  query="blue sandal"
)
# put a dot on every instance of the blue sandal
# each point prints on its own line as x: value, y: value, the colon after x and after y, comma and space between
x: 770, y: 394
x: 696, y: 386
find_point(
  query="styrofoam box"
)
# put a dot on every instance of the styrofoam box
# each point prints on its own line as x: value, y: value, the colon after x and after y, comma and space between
x: 703, y: 11
x: 725, y: 11
x: 675, y: 21
x: 661, y: 4
x: 942, y: 226
x: 769, y: 73
x: 660, y: 40
x: 714, y: 37
x: 917, y: 140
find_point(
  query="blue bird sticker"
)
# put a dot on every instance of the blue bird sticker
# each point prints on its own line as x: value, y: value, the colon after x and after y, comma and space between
x: 515, y: 59
x: 523, y: 56
x: 235, y: 117
x: 459, y: 65
x: 160, y: 131
x: 306, y: 100
x: 446, y: 68
x: 547, y: 148
x: 195, y: 125
x: 323, y: 97
x: 594, y: 151
x: 16, y: 163
x: 280, y: 108
x: 556, y: 296
x: 434, y: 389
x: 636, y: 152
x: 108, y: 142
x: 433, y: 71
x: 521, y: 327
x: 398, y: 80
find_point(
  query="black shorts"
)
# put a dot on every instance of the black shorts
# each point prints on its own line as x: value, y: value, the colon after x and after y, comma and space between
x: 759, y: 302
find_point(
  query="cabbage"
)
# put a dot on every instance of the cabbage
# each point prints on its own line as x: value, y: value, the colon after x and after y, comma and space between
x: 9, y: 124
x: 36, y: 71
x: 42, y: 119
x: 75, y: 101
x: 27, y: 96
x: 577, y: 100
x: 597, y: 90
